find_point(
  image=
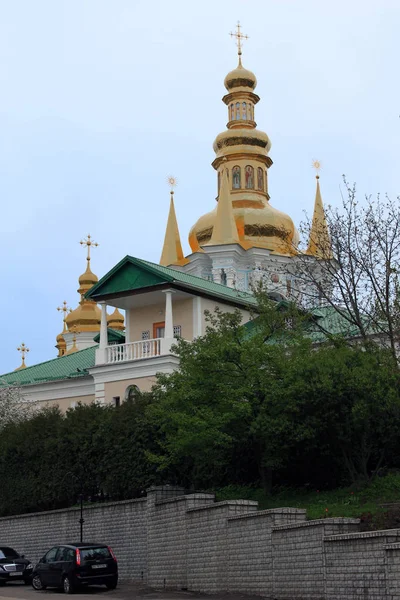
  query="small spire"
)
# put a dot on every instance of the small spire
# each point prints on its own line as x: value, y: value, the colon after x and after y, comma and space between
x: 23, y: 350
x: 172, y: 253
x: 319, y: 244
x: 239, y: 37
x: 224, y: 230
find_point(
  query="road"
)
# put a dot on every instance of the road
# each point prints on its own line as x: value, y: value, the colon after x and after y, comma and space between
x: 124, y: 591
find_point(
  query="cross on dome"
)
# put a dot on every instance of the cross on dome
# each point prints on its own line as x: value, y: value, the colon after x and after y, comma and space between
x: 88, y: 243
x: 239, y: 37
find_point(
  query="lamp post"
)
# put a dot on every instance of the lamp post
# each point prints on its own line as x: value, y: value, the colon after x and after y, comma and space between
x: 81, y: 520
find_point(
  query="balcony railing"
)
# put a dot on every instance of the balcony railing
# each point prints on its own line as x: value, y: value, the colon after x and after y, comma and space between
x: 133, y: 351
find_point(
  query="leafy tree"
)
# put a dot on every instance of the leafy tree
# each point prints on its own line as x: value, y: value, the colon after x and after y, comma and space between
x: 13, y: 407
x: 361, y: 282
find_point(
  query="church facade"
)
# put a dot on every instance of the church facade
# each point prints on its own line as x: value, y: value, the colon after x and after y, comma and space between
x: 104, y: 356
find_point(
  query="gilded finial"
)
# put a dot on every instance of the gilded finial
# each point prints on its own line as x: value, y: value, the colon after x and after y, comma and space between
x: 172, y: 182
x: 88, y: 243
x: 316, y: 164
x: 239, y: 37
x: 64, y: 309
x: 23, y: 350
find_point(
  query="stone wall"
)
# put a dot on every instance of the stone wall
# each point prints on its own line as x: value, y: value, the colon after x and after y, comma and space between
x: 175, y: 541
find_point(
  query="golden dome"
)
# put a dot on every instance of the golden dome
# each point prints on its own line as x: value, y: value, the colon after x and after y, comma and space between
x: 240, y: 78
x: 61, y: 344
x: 87, y: 316
x: 259, y: 225
x: 116, y: 321
x: 241, y: 140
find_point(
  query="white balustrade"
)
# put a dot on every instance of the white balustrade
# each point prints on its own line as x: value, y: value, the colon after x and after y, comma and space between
x: 133, y: 351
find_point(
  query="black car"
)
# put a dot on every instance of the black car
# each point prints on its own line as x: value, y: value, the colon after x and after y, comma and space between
x: 70, y: 566
x: 13, y: 566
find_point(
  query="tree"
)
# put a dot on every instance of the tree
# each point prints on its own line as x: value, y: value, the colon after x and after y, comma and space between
x: 13, y: 407
x: 361, y: 282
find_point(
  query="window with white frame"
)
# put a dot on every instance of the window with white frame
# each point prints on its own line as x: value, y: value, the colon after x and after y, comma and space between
x: 146, y: 335
x: 177, y: 331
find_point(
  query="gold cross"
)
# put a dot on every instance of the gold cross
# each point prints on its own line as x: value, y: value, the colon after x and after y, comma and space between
x: 75, y: 331
x: 23, y: 349
x: 317, y: 166
x: 239, y: 37
x: 89, y: 243
x: 64, y: 308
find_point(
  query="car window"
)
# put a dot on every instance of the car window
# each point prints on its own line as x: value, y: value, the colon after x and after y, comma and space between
x: 51, y: 555
x: 95, y: 552
x: 65, y: 554
x: 6, y: 552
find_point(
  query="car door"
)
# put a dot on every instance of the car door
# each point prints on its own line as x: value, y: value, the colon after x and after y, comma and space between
x: 57, y: 567
x: 45, y: 567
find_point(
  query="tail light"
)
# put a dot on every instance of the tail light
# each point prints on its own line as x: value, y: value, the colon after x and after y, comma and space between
x: 112, y: 553
x: 78, y: 556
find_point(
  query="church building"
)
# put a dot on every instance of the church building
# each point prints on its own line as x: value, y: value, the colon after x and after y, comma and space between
x: 104, y: 356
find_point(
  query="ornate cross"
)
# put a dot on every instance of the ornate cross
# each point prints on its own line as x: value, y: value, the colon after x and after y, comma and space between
x: 65, y: 309
x: 23, y: 349
x: 88, y: 243
x: 317, y: 166
x: 239, y: 37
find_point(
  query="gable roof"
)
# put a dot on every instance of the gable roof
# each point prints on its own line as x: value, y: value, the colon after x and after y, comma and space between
x: 70, y: 366
x: 113, y: 335
x: 136, y: 275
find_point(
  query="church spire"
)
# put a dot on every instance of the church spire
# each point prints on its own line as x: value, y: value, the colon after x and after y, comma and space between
x: 172, y: 253
x: 224, y: 230
x: 319, y: 244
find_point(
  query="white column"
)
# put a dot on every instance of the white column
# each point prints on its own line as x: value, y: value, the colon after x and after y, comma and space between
x: 168, y: 339
x: 128, y: 326
x: 101, y: 350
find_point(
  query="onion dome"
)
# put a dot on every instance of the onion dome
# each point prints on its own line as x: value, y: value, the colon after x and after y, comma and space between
x: 87, y: 316
x: 61, y: 344
x: 240, y: 78
x: 116, y: 320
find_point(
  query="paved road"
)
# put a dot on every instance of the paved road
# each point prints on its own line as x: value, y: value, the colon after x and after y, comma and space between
x: 124, y: 591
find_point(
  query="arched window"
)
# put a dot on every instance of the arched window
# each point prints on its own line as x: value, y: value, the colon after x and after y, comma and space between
x: 232, y: 112
x: 244, y: 110
x: 266, y: 181
x: 131, y: 393
x: 260, y: 179
x: 249, y: 176
x: 237, y: 111
x: 236, y: 183
x: 223, y: 277
x: 249, y: 116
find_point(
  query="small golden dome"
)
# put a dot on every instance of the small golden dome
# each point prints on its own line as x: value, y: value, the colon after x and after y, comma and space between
x: 88, y: 278
x: 240, y: 78
x: 116, y: 321
x: 86, y: 317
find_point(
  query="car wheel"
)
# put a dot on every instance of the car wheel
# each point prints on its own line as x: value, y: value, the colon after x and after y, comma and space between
x: 37, y: 583
x: 111, y: 585
x: 67, y: 585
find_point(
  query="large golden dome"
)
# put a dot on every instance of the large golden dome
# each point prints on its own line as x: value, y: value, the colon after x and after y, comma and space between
x: 243, y: 150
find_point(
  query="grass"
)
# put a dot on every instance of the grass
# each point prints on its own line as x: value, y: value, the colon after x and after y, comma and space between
x: 356, y: 501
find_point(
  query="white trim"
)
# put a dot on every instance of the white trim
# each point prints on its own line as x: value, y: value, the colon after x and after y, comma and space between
x: 57, y: 390
x: 127, y: 325
x: 133, y: 369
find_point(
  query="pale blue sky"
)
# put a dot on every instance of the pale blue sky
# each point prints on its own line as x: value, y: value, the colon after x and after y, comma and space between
x: 102, y: 99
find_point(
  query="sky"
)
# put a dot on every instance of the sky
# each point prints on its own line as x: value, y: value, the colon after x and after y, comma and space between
x: 101, y: 100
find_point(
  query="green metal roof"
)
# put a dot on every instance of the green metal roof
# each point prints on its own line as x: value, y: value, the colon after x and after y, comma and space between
x: 133, y: 274
x: 70, y: 366
x: 113, y: 335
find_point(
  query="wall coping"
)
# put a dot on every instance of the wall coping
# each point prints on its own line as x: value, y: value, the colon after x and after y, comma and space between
x: 363, y: 535
x: 317, y: 523
x: 394, y: 546
x: 224, y: 503
x: 186, y: 497
x: 270, y: 511
x: 74, y: 508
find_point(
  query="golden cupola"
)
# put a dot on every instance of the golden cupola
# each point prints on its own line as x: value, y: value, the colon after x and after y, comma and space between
x: 87, y: 316
x: 116, y: 321
x: 243, y: 150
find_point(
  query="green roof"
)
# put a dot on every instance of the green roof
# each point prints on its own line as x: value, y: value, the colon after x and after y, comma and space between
x: 113, y: 335
x: 70, y: 366
x: 134, y: 274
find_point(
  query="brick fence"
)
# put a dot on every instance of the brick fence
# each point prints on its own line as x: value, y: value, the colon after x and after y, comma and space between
x: 176, y: 541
